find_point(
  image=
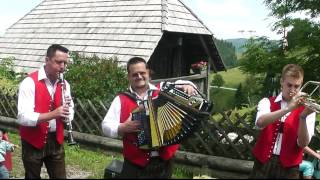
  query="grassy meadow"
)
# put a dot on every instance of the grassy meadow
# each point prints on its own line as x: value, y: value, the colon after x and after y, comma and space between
x: 224, y: 99
x: 232, y: 77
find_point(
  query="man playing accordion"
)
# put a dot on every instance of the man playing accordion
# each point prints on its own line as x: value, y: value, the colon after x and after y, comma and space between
x: 139, y: 163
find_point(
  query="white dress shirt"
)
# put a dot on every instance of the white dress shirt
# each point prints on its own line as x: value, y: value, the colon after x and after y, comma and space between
x: 26, y: 101
x: 111, y: 121
x: 264, y: 108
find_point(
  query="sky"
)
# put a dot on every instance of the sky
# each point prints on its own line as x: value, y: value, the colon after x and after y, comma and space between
x: 227, y: 19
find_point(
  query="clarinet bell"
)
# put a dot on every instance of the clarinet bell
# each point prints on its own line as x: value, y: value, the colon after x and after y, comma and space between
x: 71, y: 140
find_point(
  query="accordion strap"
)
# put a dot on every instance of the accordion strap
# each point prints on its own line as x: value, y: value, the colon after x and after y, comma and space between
x: 132, y: 96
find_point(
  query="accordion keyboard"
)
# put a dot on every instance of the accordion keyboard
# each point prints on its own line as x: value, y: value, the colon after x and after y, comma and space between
x: 170, y: 118
x: 194, y: 101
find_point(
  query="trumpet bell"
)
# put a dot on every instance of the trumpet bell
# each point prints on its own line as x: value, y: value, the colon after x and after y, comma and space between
x: 312, y: 100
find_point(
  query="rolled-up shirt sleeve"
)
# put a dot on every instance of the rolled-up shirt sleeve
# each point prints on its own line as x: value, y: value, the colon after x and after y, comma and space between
x: 111, y: 121
x: 26, y: 104
x: 262, y: 108
x: 311, y: 119
x: 186, y: 82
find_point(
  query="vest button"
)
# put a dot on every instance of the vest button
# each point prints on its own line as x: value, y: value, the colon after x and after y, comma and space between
x: 148, y: 159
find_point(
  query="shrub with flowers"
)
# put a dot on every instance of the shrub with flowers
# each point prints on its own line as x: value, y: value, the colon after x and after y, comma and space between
x: 199, y: 66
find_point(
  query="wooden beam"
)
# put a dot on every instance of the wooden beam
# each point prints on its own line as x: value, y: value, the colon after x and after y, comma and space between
x: 206, y: 48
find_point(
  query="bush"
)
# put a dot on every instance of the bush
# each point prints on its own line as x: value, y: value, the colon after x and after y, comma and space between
x: 9, y: 80
x: 95, y: 78
x: 217, y: 80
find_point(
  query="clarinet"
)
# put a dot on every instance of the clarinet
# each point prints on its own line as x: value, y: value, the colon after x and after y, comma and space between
x: 70, y: 139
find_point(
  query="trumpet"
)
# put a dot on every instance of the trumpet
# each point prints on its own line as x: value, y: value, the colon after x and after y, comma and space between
x: 70, y: 139
x: 312, y: 98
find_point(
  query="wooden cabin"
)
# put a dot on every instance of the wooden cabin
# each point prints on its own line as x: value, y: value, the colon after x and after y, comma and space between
x: 164, y: 32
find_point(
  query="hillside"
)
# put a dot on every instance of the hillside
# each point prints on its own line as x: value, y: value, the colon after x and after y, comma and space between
x: 233, y: 77
x: 227, y: 52
x: 222, y: 98
x: 238, y: 44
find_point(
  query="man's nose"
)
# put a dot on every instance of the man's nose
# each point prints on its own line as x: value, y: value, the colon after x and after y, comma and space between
x: 293, y: 89
x: 62, y: 66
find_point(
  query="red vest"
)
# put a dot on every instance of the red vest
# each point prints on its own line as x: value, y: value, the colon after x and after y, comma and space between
x: 290, y: 153
x: 130, y: 150
x: 37, y: 136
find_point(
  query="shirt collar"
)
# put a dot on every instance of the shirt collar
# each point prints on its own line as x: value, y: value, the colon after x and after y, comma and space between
x: 151, y: 87
x: 279, y: 98
x: 42, y: 74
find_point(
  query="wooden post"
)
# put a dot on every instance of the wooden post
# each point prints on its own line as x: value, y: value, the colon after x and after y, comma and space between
x: 210, y: 59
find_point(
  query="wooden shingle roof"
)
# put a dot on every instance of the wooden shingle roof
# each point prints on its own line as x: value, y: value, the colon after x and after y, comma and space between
x: 122, y: 28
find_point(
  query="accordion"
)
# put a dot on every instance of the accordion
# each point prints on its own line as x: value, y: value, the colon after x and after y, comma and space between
x: 170, y: 117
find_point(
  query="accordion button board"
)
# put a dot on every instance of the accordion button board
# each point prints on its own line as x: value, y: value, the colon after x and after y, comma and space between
x: 172, y: 116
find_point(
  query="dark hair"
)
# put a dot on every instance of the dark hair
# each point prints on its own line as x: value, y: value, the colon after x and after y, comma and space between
x: 53, y: 48
x: 136, y: 60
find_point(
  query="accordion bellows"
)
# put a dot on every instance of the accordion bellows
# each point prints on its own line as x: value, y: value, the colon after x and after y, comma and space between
x: 169, y: 118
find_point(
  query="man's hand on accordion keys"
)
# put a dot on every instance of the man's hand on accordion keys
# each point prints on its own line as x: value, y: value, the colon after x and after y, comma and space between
x: 187, y: 88
x: 129, y: 126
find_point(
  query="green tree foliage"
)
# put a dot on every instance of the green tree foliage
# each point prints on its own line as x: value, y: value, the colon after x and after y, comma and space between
x: 240, y: 97
x: 227, y: 52
x: 95, y: 78
x: 260, y: 56
x: 253, y: 89
x: 312, y: 7
x: 303, y: 38
x: 9, y: 80
x: 265, y: 59
x: 304, y: 45
x: 217, y: 80
x: 6, y: 68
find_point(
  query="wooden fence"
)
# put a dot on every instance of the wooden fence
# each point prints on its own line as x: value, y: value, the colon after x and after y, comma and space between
x: 231, y: 136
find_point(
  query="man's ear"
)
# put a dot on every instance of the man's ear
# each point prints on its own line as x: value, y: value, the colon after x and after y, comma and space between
x: 151, y: 72
x: 281, y: 82
x: 47, y: 59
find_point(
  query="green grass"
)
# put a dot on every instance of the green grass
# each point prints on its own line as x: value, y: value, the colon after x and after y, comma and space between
x: 232, y: 77
x: 224, y: 99
x: 90, y: 160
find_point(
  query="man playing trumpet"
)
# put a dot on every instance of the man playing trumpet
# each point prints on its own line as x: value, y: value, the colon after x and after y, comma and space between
x: 41, y: 116
x: 286, y: 128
